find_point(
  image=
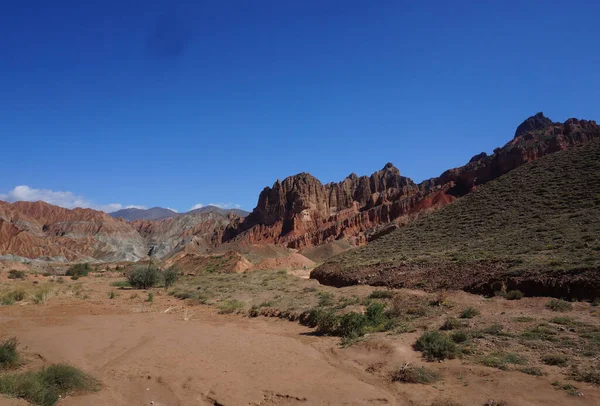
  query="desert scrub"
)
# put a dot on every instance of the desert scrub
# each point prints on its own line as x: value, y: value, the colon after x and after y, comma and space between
x: 79, y: 270
x: 558, y: 305
x: 170, y: 276
x: 514, y: 295
x: 501, y: 360
x: 143, y: 277
x: 570, y: 389
x: 460, y: 336
x: 412, y: 374
x: 9, y: 356
x: 46, y: 386
x: 13, y: 296
x: 535, y: 371
x: 381, y: 294
x: 555, y: 359
x: 231, y: 306
x: 452, y: 323
x: 325, y: 299
x: 150, y: 297
x: 120, y: 284
x: 112, y: 294
x: 41, y: 295
x: 588, y: 375
x: 435, y: 345
x: 469, y: 313
x: 14, y: 274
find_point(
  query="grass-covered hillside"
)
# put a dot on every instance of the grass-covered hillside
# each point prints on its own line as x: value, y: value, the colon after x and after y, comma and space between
x: 537, y: 227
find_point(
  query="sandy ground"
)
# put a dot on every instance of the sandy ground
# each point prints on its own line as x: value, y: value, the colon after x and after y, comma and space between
x: 145, y: 356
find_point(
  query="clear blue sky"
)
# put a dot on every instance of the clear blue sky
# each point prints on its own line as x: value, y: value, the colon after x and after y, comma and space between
x: 173, y: 104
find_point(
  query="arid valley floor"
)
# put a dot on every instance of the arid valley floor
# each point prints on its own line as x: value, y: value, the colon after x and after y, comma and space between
x: 175, y: 351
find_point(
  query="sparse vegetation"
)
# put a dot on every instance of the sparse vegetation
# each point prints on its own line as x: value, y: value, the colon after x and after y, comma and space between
x: 514, y: 295
x: 112, y: 294
x: 9, y: 356
x: 501, y: 360
x: 14, y: 274
x: 452, y: 323
x: 570, y: 389
x: 381, y: 294
x: 469, y: 313
x: 231, y: 306
x: 435, y: 345
x: 79, y: 270
x: 150, y: 297
x: 555, y: 359
x: 558, y: 305
x: 413, y: 374
x: 120, y: 284
x: 12, y: 296
x: 46, y: 386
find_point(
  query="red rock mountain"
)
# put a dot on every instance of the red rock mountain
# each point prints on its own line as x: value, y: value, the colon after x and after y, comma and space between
x: 41, y: 230
x: 298, y: 212
x: 301, y: 212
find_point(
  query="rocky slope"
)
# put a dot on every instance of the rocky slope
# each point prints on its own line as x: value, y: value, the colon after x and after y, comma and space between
x: 302, y: 212
x: 41, y: 230
x: 535, y: 229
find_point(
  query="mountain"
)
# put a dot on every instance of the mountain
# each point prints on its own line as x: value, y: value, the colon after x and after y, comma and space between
x: 216, y: 209
x: 535, y: 229
x: 159, y: 213
x: 301, y: 212
x: 133, y: 214
x: 41, y: 230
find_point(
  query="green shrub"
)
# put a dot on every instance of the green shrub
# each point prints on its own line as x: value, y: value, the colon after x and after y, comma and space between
x: 352, y: 326
x: 150, y: 297
x: 469, y: 313
x: 170, y: 276
x: 459, y: 336
x: 143, y: 277
x: 375, y: 315
x: 555, y: 359
x: 381, y: 294
x: 514, y: 295
x: 435, y: 345
x: 411, y: 374
x: 327, y: 322
x: 46, y: 386
x: 79, y: 270
x: 112, y: 294
x: 14, y: 274
x: 558, y: 305
x: 9, y: 357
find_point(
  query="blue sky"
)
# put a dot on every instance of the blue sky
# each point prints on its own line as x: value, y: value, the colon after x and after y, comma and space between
x: 175, y: 104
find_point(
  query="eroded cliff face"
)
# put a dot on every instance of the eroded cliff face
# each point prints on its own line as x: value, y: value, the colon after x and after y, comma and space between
x: 302, y: 212
x: 41, y: 230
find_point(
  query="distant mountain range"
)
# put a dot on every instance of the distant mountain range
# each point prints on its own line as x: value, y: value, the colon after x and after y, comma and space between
x: 160, y: 213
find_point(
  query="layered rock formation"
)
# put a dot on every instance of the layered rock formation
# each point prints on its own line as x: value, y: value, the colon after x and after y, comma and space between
x: 41, y: 230
x: 301, y: 212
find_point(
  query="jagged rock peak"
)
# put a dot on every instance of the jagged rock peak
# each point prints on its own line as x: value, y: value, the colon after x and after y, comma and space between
x: 534, y: 123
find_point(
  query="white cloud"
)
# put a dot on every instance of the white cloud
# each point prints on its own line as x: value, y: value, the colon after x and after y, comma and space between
x: 197, y: 206
x: 67, y: 199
